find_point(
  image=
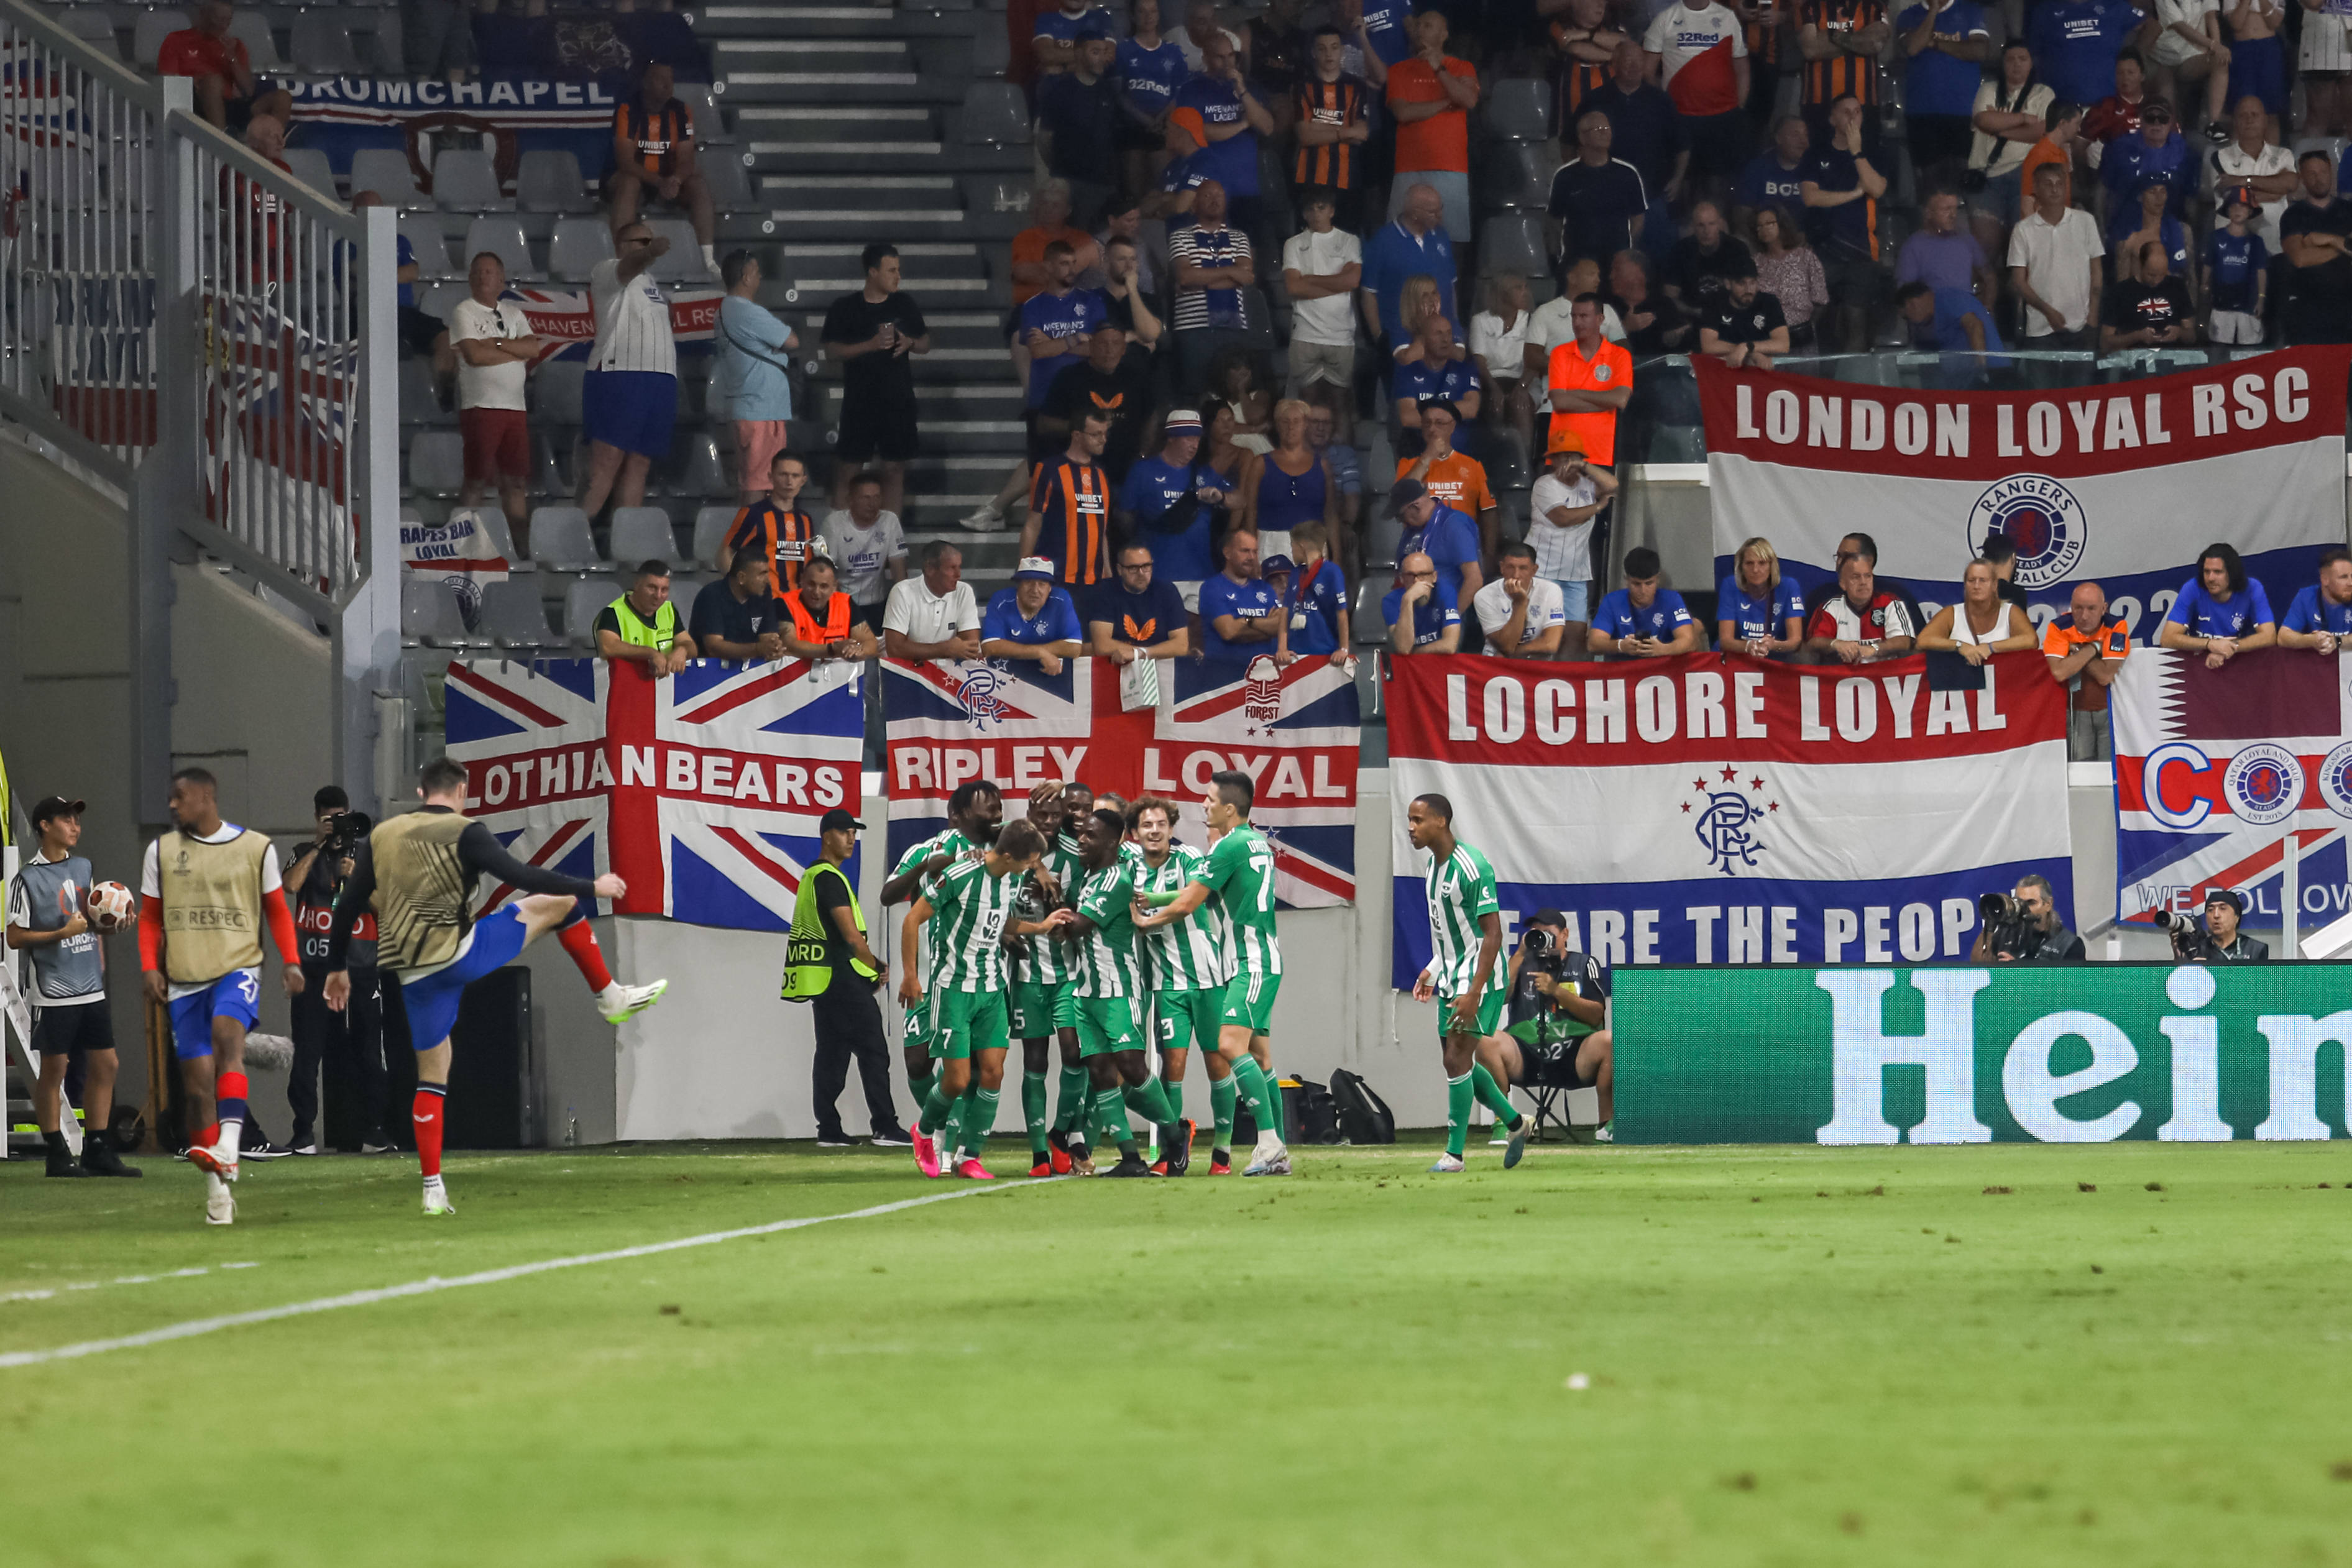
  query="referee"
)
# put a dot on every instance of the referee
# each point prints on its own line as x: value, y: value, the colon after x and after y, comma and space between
x: 828, y: 965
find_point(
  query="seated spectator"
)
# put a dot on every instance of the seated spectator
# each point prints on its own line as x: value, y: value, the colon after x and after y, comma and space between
x: 1107, y: 382
x: 1213, y: 270
x: 1331, y: 120
x: 642, y: 626
x: 1420, y: 612
x: 1049, y: 221
x: 1981, y: 625
x: 1287, y: 484
x: 1033, y: 619
x: 1060, y: 35
x: 1599, y: 200
x: 1184, y: 142
x: 2250, y: 158
x: 1952, y: 321
x: 1316, y: 604
x: 1220, y: 447
x: 1646, y: 130
x: 2221, y: 612
x: 1942, y: 253
x: 1346, y: 464
x: 776, y: 526
x: 1234, y: 116
x: 1322, y: 267
x: 1566, y: 496
x: 1234, y: 384
x: 2237, y: 273
x: 1080, y: 118
x: 1498, y: 348
x: 2320, y: 617
x: 1745, y: 330
x: 1444, y: 373
x: 2056, y: 148
x: 1703, y: 260
x: 2315, y: 286
x: 628, y: 399
x: 931, y: 615
x: 656, y: 158
x: 1121, y: 218
x: 1447, y: 537
x: 1240, y: 617
x: 228, y: 93
x: 1947, y: 46
x: 1069, y: 507
x: 873, y: 332
x: 1999, y: 552
x: 2150, y: 308
x: 1790, y: 270
x: 2158, y: 152
x: 1773, y: 178
x: 1520, y: 615
x: 751, y: 351
x: 820, y: 623
x: 867, y: 548
x: 2011, y: 115
x: 2257, y: 59
x: 2148, y: 222
x: 1456, y: 480
x: 1860, y: 622
x: 1174, y: 502
x: 420, y: 333
x: 1127, y: 293
x: 1842, y: 193
x: 1149, y: 70
x: 1759, y: 613
x: 1134, y: 615
x: 1655, y: 324
x: 2116, y: 115
x: 1415, y: 244
x: 1640, y: 619
x: 2087, y: 647
x: 1430, y: 96
x: 495, y: 348
x: 2054, y: 266
x: 735, y: 617
x: 1865, y: 547
x: 2076, y: 42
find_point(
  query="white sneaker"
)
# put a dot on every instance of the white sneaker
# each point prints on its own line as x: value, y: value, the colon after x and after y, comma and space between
x: 618, y: 1002
x: 1272, y: 1162
x: 220, y: 1203
x: 985, y: 520
x: 1446, y: 1165
x: 1604, y: 1133
x: 437, y: 1198
x: 214, y: 1160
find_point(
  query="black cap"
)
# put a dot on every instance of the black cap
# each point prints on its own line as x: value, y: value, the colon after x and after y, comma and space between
x: 56, y: 806
x: 837, y: 820
x: 1405, y: 493
x: 2230, y: 896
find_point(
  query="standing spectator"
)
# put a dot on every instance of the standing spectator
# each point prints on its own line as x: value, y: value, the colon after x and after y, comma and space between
x: 1069, y: 508
x: 1412, y: 245
x: 642, y: 626
x: 1136, y: 616
x: 839, y: 977
x: 2221, y: 612
x: 2147, y: 307
x: 1441, y: 372
x: 1701, y: 55
x: 1382, y: 31
x: 1522, y: 616
x: 1744, y: 327
x: 1172, y: 501
x: 1840, y: 41
x: 2054, y: 266
x: 1288, y: 486
x: 2056, y: 148
x: 2187, y: 49
x: 1332, y: 118
x: 1599, y: 200
x: 1456, y: 481
x: 774, y: 527
x: 2076, y: 43
x: 1109, y: 381
x: 1316, y: 617
x: 2158, y: 152
x: 1080, y: 112
x: 1213, y: 270
x: 1149, y: 70
x: 1200, y: 27
x: 1645, y: 130
x: 735, y: 617
x: 2118, y: 114
x: 1060, y: 35
x: 2237, y: 273
x: 819, y: 621
x: 1498, y: 347
x: 1566, y: 496
x: 1049, y: 220
x: 1056, y: 323
x: 1789, y: 270
x: 1420, y: 611
x: 2136, y: 222
x: 628, y: 400
x: 2324, y: 66
x: 1449, y: 538
x: 1322, y: 267
x: 654, y: 158
x: 1239, y: 616
x: 1642, y: 620
x: 228, y: 93
x: 1127, y: 290
x: 437, y: 39
x: 2011, y: 115
x: 1947, y: 46
x: 495, y: 350
x: 1591, y: 379
x: 873, y: 332
x: 1758, y: 611
x: 1697, y: 268
x: 1943, y: 255
x: 2319, y: 618
x: 2087, y: 648
x: 1842, y: 191
x: 1585, y: 41
x: 1775, y: 177
x: 931, y: 615
x: 1235, y: 118
x: 1347, y: 468
x: 2251, y: 159
x: 748, y: 379
x: 1430, y: 96
x: 868, y: 548
x: 2315, y: 286
x: 2257, y: 59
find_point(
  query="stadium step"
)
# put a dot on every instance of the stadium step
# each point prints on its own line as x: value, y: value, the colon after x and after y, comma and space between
x: 861, y: 71
x: 835, y: 19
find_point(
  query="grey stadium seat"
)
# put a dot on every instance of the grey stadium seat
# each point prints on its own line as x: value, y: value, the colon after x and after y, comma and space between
x: 322, y: 42
x: 310, y: 167
x: 513, y: 617
x: 582, y: 603
x: 1513, y: 242
x: 549, y: 182
x: 556, y: 390
x: 642, y: 533
x: 465, y: 180
x: 560, y: 539
x: 578, y: 245
x: 711, y: 526
x: 385, y: 170
x: 994, y: 115
x: 1519, y: 108
x: 92, y: 25
x: 730, y: 182
x: 429, y: 612
x: 253, y: 28
x: 682, y: 263
x: 147, y: 35
x: 505, y: 236
x: 700, y: 469
x: 437, y: 463
x: 432, y: 247
x: 420, y: 401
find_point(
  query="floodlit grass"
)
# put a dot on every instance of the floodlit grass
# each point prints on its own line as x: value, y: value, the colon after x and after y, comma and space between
x: 1791, y: 1356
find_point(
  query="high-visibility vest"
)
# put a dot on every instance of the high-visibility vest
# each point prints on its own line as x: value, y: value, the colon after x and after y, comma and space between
x: 635, y: 631
x: 808, y: 974
x: 806, y: 625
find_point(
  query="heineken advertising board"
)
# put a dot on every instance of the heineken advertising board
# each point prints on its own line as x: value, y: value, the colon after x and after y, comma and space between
x: 2069, y: 1053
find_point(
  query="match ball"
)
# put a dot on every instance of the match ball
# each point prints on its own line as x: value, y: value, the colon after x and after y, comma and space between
x: 110, y: 907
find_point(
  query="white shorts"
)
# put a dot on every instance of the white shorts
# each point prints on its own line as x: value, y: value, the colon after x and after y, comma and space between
x: 2236, y: 326
x: 1311, y: 363
x: 1272, y: 542
x: 1190, y: 593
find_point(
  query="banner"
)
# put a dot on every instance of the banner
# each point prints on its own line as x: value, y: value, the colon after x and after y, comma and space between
x: 1294, y: 732
x: 702, y: 790
x: 2215, y: 767
x: 339, y: 115
x: 564, y: 320
x: 461, y: 552
x: 1712, y: 810
x: 2072, y: 1053
x: 2121, y: 484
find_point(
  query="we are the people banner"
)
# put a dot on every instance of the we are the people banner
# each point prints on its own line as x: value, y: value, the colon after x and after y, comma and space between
x: 2214, y: 768
x: 1712, y: 810
x: 2120, y: 484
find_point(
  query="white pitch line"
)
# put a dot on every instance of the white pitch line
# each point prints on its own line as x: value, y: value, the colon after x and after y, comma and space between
x: 426, y: 1287
x: 44, y: 1295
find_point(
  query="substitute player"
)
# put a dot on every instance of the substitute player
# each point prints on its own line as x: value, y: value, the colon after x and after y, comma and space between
x: 1465, y: 933
x: 1099, y: 927
x: 973, y: 901
x: 1187, y: 965
x: 416, y: 875
x: 1239, y: 870
x: 204, y: 893
x: 975, y: 812
x: 47, y: 904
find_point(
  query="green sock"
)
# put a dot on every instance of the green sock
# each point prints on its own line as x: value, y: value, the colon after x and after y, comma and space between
x: 958, y: 1125
x: 1256, y: 1096
x: 937, y: 1108
x: 920, y: 1088
x: 1032, y: 1109
x: 1071, y: 1100
x: 1110, y: 1119
x: 1458, y: 1097
x: 1281, y: 1109
x: 979, y: 1120
x: 1224, y: 1095
x: 1490, y: 1094
x: 1146, y: 1101
x: 1172, y: 1089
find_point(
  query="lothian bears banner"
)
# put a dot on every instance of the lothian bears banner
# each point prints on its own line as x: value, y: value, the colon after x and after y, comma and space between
x: 1706, y: 809
x: 1294, y: 732
x: 2215, y: 767
x: 702, y: 790
x: 2120, y: 484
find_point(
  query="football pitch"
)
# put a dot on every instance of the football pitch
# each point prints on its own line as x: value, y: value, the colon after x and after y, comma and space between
x: 2133, y: 1353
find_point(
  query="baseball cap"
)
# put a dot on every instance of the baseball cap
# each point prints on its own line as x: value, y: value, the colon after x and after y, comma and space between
x: 1452, y: 408
x: 1194, y: 126
x: 1565, y: 440
x: 2154, y: 108
x: 2235, y: 900
x: 1274, y: 563
x: 1036, y: 568
x: 837, y: 819
x: 1405, y: 493
x: 56, y: 806
x: 1182, y: 422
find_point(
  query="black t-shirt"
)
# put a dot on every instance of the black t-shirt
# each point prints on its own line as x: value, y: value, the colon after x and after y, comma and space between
x: 2315, y: 303
x: 1138, y: 619
x: 1125, y: 394
x: 1754, y: 322
x: 1084, y: 119
x: 833, y: 893
x: 1535, y: 1018
x: 2302, y: 218
x: 1671, y: 332
x: 2132, y: 305
x: 1700, y: 275
x: 853, y: 318
x: 719, y: 613
x: 1597, y: 206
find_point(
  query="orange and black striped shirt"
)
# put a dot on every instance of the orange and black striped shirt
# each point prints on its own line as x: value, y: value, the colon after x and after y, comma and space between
x: 1337, y: 165
x: 786, y: 539
x: 656, y: 135
x: 1073, y: 500
x: 1831, y: 79
x: 1578, y: 76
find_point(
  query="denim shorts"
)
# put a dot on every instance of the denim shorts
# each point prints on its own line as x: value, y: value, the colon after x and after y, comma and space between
x: 1576, y: 600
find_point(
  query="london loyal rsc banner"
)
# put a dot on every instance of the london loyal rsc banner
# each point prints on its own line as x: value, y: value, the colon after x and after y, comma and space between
x: 2072, y: 1053
x: 2121, y: 484
x: 1712, y: 810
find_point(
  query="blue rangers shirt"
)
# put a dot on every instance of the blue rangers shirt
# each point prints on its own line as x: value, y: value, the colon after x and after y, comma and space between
x: 1766, y: 616
x: 1065, y: 318
x: 2206, y: 616
x: 1664, y: 615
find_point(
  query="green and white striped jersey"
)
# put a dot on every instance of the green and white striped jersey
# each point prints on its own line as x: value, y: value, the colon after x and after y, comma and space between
x: 1046, y: 962
x: 1239, y: 868
x: 1461, y: 889
x: 1192, y: 953
x: 1105, y: 958
x: 969, y: 908
x: 947, y: 842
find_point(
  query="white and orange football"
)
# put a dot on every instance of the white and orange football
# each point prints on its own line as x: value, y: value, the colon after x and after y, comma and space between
x: 110, y: 907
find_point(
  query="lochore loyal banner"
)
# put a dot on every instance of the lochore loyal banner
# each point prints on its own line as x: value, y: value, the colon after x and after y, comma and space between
x: 1710, y: 809
x: 2215, y: 767
x: 2121, y: 484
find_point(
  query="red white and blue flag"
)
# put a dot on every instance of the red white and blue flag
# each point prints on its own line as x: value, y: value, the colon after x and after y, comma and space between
x: 1294, y: 732
x: 702, y: 790
x: 564, y: 320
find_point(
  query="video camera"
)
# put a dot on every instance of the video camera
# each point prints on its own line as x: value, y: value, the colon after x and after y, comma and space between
x: 346, y: 830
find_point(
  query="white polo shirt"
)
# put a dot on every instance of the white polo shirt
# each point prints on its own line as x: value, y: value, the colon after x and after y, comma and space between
x: 1546, y: 607
x: 922, y: 616
x: 489, y: 386
x: 632, y: 322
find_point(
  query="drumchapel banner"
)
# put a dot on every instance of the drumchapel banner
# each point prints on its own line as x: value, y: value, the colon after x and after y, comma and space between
x: 2121, y: 484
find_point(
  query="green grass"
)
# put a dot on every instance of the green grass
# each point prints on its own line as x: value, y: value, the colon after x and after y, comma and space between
x: 1794, y: 1357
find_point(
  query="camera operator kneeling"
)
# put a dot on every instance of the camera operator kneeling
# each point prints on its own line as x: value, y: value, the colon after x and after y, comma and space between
x: 2220, y: 941
x: 1553, y: 1034
x: 2024, y: 927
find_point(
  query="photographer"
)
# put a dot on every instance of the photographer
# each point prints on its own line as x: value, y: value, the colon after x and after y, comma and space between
x: 2221, y: 941
x: 1554, y: 1033
x: 2025, y: 927
x: 351, y: 1042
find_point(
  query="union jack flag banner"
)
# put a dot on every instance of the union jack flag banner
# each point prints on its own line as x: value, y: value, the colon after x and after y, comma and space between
x: 564, y: 320
x: 1294, y: 732
x: 702, y: 790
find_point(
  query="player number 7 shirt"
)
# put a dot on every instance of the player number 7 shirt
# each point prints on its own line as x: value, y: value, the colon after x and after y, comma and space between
x: 1240, y: 867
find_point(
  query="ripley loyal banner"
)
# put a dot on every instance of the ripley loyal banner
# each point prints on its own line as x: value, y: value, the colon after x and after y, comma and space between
x: 1711, y: 809
x: 2215, y: 767
x: 2121, y: 485
x: 2072, y: 1053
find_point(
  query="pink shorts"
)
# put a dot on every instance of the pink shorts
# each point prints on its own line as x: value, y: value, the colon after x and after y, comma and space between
x: 759, y: 440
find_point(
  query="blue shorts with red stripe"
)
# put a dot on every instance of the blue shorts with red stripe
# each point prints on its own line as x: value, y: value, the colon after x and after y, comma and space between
x: 236, y: 995
x: 432, y: 1002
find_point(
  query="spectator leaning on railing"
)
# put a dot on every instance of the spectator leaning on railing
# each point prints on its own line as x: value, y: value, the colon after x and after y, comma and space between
x: 1860, y: 622
x: 2087, y: 647
x: 1033, y: 619
x: 1132, y: 614
x: 495, y: 348
x: 1316, y: 607
x: 1642, y: 620
x: 1421, y: 615
x: 1521, y: 615
x: 1758, y: 612
x: 2221, y: 612
x: 735, y: 617
x: 931, y: 615
x: 749, y: 383
x: 2320, y: 617
x: 820, y: 623
x: 643, y: 626
x: 1239, y: 616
